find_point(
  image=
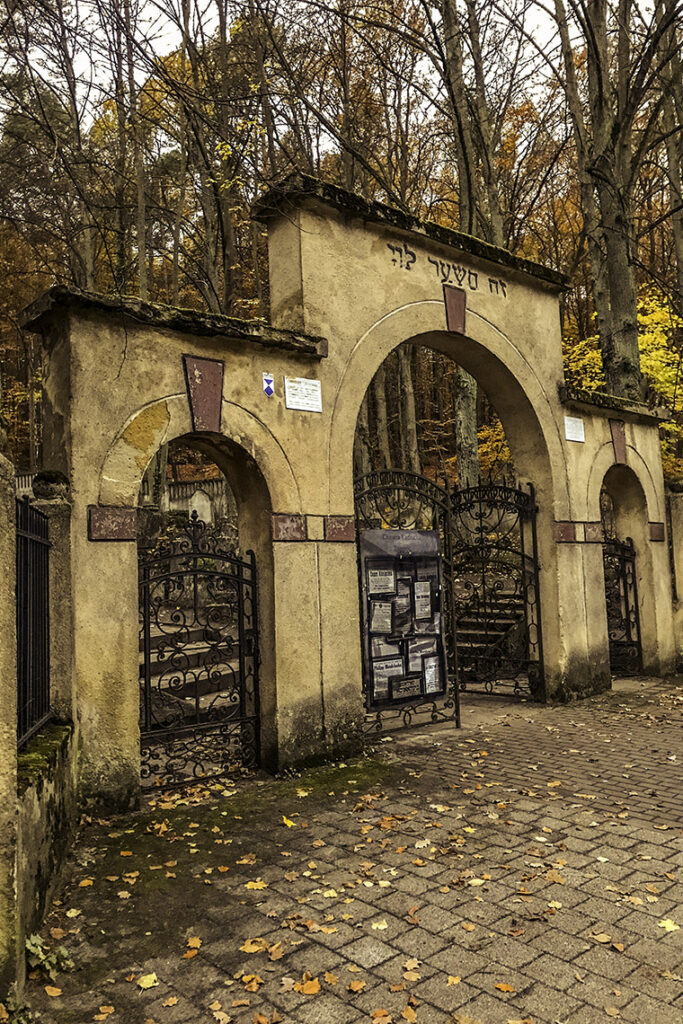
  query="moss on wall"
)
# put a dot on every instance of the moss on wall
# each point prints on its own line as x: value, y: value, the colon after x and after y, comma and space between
x: 39, y: 759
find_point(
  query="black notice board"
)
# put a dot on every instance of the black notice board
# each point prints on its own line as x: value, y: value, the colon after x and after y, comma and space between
x: 402, y: 616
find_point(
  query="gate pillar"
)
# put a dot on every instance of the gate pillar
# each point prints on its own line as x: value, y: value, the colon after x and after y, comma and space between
x: 575, y: 651
x: 105, y: 659
x: 319, y: 708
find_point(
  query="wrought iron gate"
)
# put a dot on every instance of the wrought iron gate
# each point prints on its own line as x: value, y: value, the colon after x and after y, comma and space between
x: 489, y: 559
x: 494, y: 574
x: 623, y: 619
x: 198, y: 658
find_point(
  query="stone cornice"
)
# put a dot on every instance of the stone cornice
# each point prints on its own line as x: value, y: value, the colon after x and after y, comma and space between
x: 298, y: 188
x: 38, y: 315
x: 592, y: 401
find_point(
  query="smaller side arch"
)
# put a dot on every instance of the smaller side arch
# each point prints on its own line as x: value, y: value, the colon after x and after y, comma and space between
x: 633, y: 510
x: 603, y: 462
x: 167, y: 418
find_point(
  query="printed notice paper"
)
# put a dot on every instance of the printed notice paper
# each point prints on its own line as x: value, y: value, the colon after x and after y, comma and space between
x: 381, y: 581
x: 573, y: 428
x: 380, y: 617
x: 423, y: 599
x: 304, y: 394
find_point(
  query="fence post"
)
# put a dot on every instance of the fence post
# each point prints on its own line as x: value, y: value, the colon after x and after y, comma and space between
x: 8, y: 727
x: 51, y: 500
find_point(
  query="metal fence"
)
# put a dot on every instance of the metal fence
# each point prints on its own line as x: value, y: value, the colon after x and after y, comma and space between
x: 33, y: 621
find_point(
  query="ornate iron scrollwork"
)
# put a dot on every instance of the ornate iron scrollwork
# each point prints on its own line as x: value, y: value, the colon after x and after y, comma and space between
x: 623, y: 619
x: 491, y: 592
x: 198, y: 657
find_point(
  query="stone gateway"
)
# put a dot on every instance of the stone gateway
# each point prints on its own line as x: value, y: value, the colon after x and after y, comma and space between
x: 275, y: 407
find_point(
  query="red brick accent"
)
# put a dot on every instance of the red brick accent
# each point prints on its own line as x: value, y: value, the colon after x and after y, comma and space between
x: 565, y: 532
x: 109, y: 523
x: 204, y: 381
x: 593, y: 533
x: 455, y: 301
x: 289, y: 527
x: 618, y: 431
x: 657, y: 531
x: 340, y: 528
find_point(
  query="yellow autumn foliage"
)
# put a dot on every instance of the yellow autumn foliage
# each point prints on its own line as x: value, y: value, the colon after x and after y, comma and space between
x: 660, y: 362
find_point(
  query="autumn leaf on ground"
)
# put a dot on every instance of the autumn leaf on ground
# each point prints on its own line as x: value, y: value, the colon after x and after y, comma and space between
x: 257, y: 945
x: 454, y: 979
x: 504, y: 987
x: 276, y: 952
x: 53, y: 991
x: 602, y: 937
x: 668, y: 925
x: 379, y: 926
x: 194, y: 942
x: 258, y: 884
x: 612, y: 1011
x: 356, y: 986
x: 288, y: 822
x: 409, y: 1014
x: 85, y: 883
x: 189, y: 953
x: 148, y: 981
x: 251, y: 982
x: 330, y: 978
x: 172, y: 1000
x: 308, y: 985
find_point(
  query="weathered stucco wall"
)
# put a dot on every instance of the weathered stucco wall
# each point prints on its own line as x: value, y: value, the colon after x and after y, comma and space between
x: 46, y: 820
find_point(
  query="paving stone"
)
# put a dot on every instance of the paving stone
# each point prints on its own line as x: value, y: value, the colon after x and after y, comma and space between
x: 645, y: 1010
x: 368, y: 952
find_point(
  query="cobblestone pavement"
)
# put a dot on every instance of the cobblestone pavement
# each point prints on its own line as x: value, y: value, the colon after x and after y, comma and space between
x: 527, y: 869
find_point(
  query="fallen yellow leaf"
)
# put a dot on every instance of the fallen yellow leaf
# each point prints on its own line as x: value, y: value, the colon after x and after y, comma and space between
x: 148, y: 981
x: 53, y: 991
x: 258, y: 884
x: 257, y: 945
x: 194, y: 942
x: 668, y: 925
x: 454, y: 979
x: 172, y: 1001
x: 288, y: 822
x: 504, y: 987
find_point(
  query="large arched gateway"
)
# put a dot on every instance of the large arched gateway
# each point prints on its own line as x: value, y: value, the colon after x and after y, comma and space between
x: 276, y: 407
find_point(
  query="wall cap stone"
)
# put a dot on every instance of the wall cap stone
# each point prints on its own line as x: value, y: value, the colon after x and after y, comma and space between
x: 592, y: 401
x: 297, y: 188
x: 37, y: 316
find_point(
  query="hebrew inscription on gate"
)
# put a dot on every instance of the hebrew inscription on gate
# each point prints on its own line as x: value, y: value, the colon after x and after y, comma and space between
x: 405, y: 258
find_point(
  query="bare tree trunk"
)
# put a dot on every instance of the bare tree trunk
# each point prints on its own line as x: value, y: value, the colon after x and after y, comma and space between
x: 380, y: 392
x: 138, y: 155
x: 361, y: 455
x: 408, y: 418
x: 465, y: 428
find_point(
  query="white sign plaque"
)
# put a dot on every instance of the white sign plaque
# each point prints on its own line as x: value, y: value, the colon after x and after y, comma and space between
x: 573, y: 428
x: 304, y: 394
